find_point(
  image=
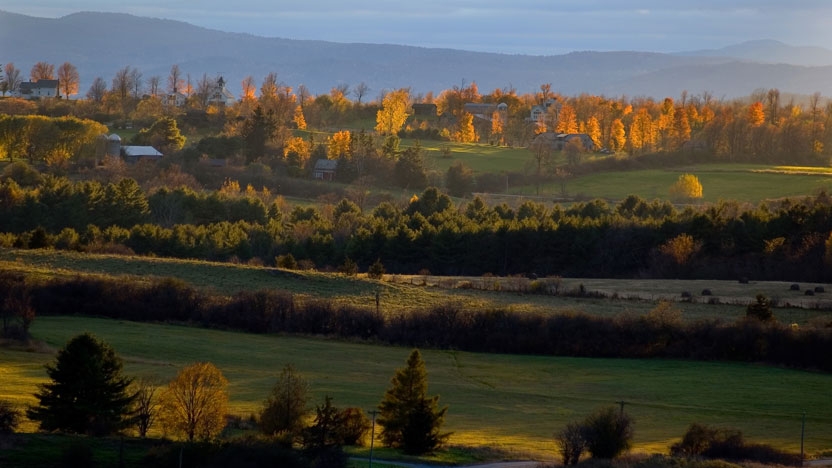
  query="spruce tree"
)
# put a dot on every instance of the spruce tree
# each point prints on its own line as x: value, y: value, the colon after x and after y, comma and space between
x: 410, y: 419
x: 87, y: 393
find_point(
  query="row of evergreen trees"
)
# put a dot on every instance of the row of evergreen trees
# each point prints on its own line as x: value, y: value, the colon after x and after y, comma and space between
x: 787, y: 240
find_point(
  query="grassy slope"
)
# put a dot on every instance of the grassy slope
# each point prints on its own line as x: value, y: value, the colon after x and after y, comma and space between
x: 723, y: 181
x: 719, y: 182
x: 502, y: 401
x: 401, y: 293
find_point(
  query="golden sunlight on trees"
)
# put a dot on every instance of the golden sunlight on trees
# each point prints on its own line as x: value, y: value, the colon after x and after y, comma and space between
x: 593, y: 129
x: 297, y: 151
x: 42, y: 71
x: 618, y: 136
x: 465, y: 132
x: 497, y: 127
x: 339, y: 145
x: 195, y: 403
x: 299, y: 119
x: 393, y: 114
x: 680, y: 249
x: 756, y: 114
x: 68, y: 79
x: 642, y: 132
x: 687, y: 187
x: 567, y: 120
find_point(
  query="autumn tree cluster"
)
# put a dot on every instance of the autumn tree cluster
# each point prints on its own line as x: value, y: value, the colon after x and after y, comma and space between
x: 762, y: 127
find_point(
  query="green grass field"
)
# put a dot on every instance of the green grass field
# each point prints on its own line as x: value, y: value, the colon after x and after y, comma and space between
x: 513, y: 403
x: 720, y: 181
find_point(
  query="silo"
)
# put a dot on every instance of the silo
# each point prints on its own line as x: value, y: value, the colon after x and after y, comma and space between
x: 114, y: 145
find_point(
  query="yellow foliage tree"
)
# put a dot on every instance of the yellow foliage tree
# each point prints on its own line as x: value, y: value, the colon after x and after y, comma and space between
x: 618, y: 137
x: 680, y: 248
x: 756, y: 114
x: 195, y: 403
x: 567, y: 120
x: 300, y: 121
x: 297, y: 151
x: 593, y: 129
x: 642, y: 132
x: 687, y: 187
x: 497, y: 127
x: 339, y: 144
x: 465, y: 132
x: 230, y: 188
x: 393, y: 113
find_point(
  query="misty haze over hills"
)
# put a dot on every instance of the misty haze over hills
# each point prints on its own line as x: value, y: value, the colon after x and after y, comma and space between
x: 99, y: 44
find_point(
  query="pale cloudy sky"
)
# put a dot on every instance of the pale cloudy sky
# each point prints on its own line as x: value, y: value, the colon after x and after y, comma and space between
x: 539, y: 27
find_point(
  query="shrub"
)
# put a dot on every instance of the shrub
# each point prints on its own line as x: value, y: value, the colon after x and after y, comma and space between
x: 287, y: 261
x: 376, y: 270
x: 571, y: 443
x: 9, y: 417
x: 349, y: 267
x: 728, y: 444
x: 355, y: 426
x: 608, y: 433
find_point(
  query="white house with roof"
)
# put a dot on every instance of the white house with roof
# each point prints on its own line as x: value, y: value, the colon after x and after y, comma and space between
x: 37, y: 89
x: 540, y: 110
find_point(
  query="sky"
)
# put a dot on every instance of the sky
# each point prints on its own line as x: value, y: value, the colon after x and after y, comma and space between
x: 534, y: 27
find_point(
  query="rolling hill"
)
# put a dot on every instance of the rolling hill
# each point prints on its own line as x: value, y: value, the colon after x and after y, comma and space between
x: 99, y: 44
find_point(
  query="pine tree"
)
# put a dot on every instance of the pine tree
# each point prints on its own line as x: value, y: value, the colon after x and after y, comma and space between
x: 408, y: 417
x: 285, y: 409
x: 87, y: 393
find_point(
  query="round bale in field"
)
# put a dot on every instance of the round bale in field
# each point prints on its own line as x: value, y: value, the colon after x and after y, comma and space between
x: 819, y: 289
x: 794, y: 287
x: 707, y: 292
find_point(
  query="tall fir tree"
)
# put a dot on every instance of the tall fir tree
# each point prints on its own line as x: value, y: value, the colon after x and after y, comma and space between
x: 87, y: 393
x: 410, y: 419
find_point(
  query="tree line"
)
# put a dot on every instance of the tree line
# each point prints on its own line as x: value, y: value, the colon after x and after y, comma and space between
x: 783, y: 240
x: 762, y: 127
x: 659, y: 334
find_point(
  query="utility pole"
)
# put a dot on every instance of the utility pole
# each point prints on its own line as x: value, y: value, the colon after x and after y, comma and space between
x: 622, y: 403
x: 802, y: 433
x: 372, y: 435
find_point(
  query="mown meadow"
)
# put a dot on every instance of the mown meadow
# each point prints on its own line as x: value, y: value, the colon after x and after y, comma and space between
x: 514, y: 403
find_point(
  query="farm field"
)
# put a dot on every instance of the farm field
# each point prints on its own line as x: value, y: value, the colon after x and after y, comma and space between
x: 514, y: 403
x: 745, y: 183
x: 408, y: 292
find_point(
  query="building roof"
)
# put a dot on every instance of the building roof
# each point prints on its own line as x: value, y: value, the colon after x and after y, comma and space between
x: 326, y: 165
x: 140, y: 151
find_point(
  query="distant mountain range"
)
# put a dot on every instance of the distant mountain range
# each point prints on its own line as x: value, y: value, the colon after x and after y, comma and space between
x: 99, y: 44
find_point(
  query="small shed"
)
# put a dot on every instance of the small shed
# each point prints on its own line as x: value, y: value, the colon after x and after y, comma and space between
x: 325, y: 169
